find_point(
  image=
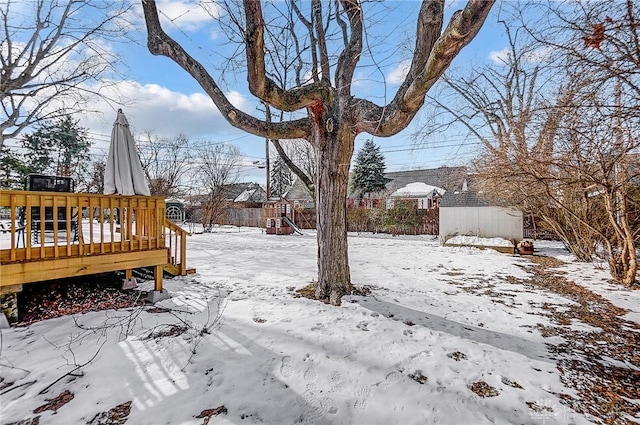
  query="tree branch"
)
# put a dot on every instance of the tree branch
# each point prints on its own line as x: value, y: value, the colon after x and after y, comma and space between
x: 262, y: 86
x: 159, y: 43
x: 350, y: 56
x: 292, y: 166
x: 424, y: 72
x: 316, y: 7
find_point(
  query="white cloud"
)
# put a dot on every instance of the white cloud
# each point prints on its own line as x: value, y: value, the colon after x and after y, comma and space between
x: 214, y: 34
x: 500, y: 56
x: 539, y: 55
x: 165, y: 113
x: 238, y: 100
x: 398, y: 74
x: 188, y: 15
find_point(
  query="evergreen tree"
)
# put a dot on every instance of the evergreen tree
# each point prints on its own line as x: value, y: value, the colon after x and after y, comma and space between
x: 58, y: 147
x: 281, y: 177
x: 12, y: 169
x: 368, y: 172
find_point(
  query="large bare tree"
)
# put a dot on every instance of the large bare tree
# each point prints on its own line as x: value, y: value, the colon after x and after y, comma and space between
x: 329, y: 116
x: 51, y: 53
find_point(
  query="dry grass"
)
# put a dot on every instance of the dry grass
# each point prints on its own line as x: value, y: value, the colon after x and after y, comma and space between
x: 606, y: 389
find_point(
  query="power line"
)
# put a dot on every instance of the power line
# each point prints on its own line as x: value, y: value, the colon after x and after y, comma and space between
x: 455, y: 145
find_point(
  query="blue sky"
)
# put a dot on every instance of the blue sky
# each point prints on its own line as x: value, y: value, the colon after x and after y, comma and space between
x: 164, y: 100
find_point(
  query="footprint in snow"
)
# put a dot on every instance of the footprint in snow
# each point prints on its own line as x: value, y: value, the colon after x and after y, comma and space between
x: 389, y: 380
x: 328, y: 405
x: 311, y: 375
x: 363, y: 395
x: 336, y: 382
x: 362, y: 326
x: 389, y: 350
x: 314, y: 408
x: 286, y: 369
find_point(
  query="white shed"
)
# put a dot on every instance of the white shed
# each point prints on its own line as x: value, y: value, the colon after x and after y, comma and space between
x: 466, y: 213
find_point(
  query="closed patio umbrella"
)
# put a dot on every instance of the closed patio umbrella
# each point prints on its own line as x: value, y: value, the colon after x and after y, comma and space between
x: 123, y: 173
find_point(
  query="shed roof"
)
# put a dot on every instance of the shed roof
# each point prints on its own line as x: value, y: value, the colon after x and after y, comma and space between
x: 463, y: 198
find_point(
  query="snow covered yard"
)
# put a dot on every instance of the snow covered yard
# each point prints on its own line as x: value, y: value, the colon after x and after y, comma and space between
x: 447, y: 335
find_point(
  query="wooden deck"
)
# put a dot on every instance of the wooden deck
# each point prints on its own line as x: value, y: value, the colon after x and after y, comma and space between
x: 58, y: 235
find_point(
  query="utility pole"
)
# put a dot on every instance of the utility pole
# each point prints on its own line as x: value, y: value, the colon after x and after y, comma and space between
x: 267, y: 141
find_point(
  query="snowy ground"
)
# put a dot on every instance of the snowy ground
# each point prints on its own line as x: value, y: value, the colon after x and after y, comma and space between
x: 235, y: 336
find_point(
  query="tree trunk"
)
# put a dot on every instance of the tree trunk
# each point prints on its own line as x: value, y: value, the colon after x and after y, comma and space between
x: 627, y: 242
x: 333, y: 157
x: 623, y: 264
x: 623, y: 260
x: 630, y: 261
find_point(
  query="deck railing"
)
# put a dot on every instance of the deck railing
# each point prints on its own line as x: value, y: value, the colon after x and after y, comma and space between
x: 57, y: 226
x: 176, y: 238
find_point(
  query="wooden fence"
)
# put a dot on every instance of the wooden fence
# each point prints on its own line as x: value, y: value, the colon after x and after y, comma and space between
x: 249, y: 217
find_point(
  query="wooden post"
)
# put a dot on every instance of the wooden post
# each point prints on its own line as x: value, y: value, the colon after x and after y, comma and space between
x: 158, y: 278
x: 15, y: 234
x: 183, y: 254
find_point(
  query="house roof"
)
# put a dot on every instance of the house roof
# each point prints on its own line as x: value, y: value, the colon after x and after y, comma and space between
x: 417, y: 190
x: 447, y: 178
x: 174, y: 201
x: 463, y: 198
x: 255, y: 194
x: 233, y: 190
x: 298, y: 191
